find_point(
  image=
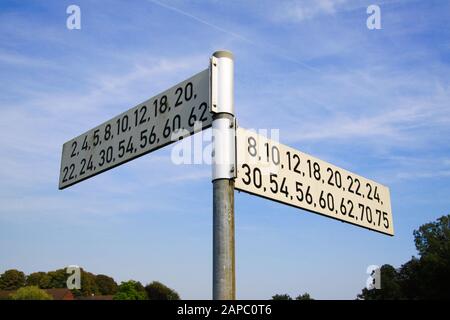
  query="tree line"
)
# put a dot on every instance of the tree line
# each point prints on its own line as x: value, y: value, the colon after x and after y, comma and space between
x: 91, y: 284
x: 426, y: 277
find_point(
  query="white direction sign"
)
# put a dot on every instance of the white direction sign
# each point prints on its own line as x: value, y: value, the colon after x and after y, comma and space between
x: 171, y: 115
x: 271, y: 170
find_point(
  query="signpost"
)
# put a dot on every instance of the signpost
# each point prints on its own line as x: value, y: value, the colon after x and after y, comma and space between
x: 171, y: 115
x: 274, y: 171
x: 241, y: 159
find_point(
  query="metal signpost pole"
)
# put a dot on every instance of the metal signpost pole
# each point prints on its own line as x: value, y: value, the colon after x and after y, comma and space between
x: 223, y: 173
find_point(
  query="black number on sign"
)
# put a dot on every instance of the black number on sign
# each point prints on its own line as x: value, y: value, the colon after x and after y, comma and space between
x: 138, y: 120
x: 314, y: 170
x: 385, y: 220
x: 107, y: 134
x: 166, y: 132
x: 350, y: 211
x: 298, y: 188
x: 252, y: 146
x: 192, y: 118
x: 130, y: 146
x: 369, y: 194
x: 365, y: 212
x: 179, y: 92
x: 378, y: 213
x: 257, y: 178
x: 106, y: 156
x: 247, y: 174
x: 102, y: 158
x: 66, y: 171
x: 74, y: 149
x: 343, y: 208
x: 295, y: 157
x: 338, y: 179
x: 273, y: 181
x: 369, y: 214
x: 144, y: 139
x: 124, y: 125
x: 283, y: 188
x: 357, y: 184
x: 351, y: 184
x: 308, y: 196
x: 373, y: 193
x: 335, y: 178
x: 86, y: 165
x: 326, y: 202
x: 361, y: 206
x: 203, y: 106
x: 176, y: 123
x: 96, y: 137
x: 90, y: 165
x: 330, y: 201
x: 376, y: 196
x: 330, y: 179
x: 188, y: 91
x: 273, y: 154
x: 383, y: 215
x: 122, y: 148
x: 357, y: 187
x: 85, y: 144
x: 83, y: 164
x: 72, y: 170
x: 163, y: 105
x: 152, y: 137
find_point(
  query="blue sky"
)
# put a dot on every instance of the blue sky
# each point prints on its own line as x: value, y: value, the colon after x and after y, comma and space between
x: 375, y: 102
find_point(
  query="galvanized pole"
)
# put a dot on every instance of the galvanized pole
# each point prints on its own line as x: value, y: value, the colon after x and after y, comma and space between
x: 223, y: 173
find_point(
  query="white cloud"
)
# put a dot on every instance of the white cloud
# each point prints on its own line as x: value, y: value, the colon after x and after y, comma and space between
x: 298, y: 11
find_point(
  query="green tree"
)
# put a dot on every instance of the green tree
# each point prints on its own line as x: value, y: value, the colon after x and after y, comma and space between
x: 426, y: 277
x: 158, y: 291
x: 58, y: 278
x: 304, y: 296
x: 130, y: 290
x: 106, y: 285
x: 432, y: 240
x: 12, y: 279
x: 39, y: 279
x: 31, y: 293
x: 410, y: 279
x: 88, y: 284
x: 281, y: 297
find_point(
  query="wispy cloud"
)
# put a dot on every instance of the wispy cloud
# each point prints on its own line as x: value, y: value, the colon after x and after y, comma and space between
x: 298, y: 11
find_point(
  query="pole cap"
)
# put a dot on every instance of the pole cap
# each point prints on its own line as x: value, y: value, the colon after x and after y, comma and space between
x: 223, y: 54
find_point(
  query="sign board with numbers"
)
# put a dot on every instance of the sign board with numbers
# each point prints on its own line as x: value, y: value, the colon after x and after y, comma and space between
x: 171, y: 115
x: 274, y: 171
